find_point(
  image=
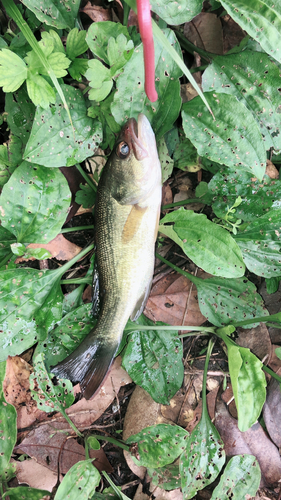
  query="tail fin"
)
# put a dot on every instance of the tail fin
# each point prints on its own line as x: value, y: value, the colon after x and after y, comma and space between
x: 88, y: 364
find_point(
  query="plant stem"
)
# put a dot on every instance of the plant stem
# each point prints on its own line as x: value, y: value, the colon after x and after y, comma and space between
x: 260, y: 319
x: 86, y: 177
x: 191, y: 48
x: 78, y: 228
x: 189, y: 276
x: 204, y: 396
x: 272, y: 373
x: 6, y: 259
x: 181, y: 203
x: 113, y: 441
x: 61, y: 270
x: 72, y: 425
x: 169, y: 328
x: 77, y: 281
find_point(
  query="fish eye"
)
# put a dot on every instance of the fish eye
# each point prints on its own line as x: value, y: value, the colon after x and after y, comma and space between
x: 122, y: 150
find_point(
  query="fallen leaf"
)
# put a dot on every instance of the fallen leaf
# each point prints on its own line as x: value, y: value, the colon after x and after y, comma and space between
x: 272, y: 303
x: 271, y: 170
x: 139, y: 495
x: 97, y: 13
x: 167, y: 195
x: 205, y: 31
x: 160, y: 494
x: 188, y: 92
x: 274, y: 362
x: 197, y: 413
x: 59, y: 247
x: 36, y: 475
x: 232, y: 33
x: 173, y: 299
x: 253, y: 442
x: 74, y: 179
x: 272, y: 411
x: 257, y: 340
x: 16, y: 382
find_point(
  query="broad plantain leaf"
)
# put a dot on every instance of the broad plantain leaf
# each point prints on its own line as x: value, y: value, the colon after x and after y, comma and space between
x: 8, y: 427
x: 59, y: 14
x: 6, y: 239
x: 20, y: 114
x: 79, y: 482
x: 154, y: 360
x: 130, y: 98
x: 209, y: 246
x: 25, y: 493
x: 167, y: 478
x: 34, y: 203
x: 52, y: 142
x: 255, y: 80
x: 159, y: 445
x: 241, y: 477
x: 176, y: 12
x: 232, y: 139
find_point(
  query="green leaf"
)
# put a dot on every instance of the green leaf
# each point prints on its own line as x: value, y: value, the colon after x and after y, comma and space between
x: 166, y: 162
x: 6, y: 239
x: 278, y: 352
x: 119, y: 51
x: 272, y: 284
x: 99, y: 34
x: 257, y: 197
x: 34, y: 203
x: 159, y: 445
x: 130, y: 98
x: 8, y: 427
x: 49, y: 397
x: 176, y: 12
x: 248, y: 384
x: 99, y: 79
x: 167, y: 478
x: 209, y: 246
x: 260, y: 244
x: 78, y: 68
x: 30, y: 304
x: 76, y: 43
x: 20, y: 114
x: 60, y: 15
x: 67, y: 335
x: 39, y: 91
x: 55, y: 38
x: 86, y: 196
x: 79, y: 482
x: 255, y: 80
x: 241, y: 477
x: 13, y: 71
x: 186, y: 156
x: 261, y: 19
x: 51, y: 141
x: 18, y: 249
x: 25, y: 493
x: 232, y: 139
x: 154, y: 360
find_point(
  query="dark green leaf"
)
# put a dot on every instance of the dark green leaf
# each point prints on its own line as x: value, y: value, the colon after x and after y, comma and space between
x: 232, y: 139
x: 57, y: 14
x: 20, y: 114
x: 209, y: 246
x: 52, y: 143
x: 154, y: 361
x: 86, y: 196
x: 25, y: 493
x: 159, y: 445
x: 167, y: 478
x: 176, y: 12
x: 79, y: 482
x: 272, y: 284
x: 76, y: 43
x: 30, y: 304
x: 240, y: 478
x: 203, y: 458
x: 257, y: 197
x: 49, y: 397
x: 8, y: 427
x: 260, y: 244
x: 6, y: 239
x: 261, y: 19
x: 255, y: 80
x: 78, y: 68
x: 130, y: 98
x: 186, y: 156
x: 34, y: 203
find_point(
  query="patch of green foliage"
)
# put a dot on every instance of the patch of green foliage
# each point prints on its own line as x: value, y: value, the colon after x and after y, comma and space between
x: 52, y: 124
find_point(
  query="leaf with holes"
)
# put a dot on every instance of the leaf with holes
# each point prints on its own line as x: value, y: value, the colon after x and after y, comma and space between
x: 52, y: 142
x: 210, y: 246
x: 261, y: 19
x: 6, y: 240
x: 232, y: 139
x: 166, y: 162
x: 130, y: 98
x: 20, y: 114
x: 30, y: 305
x: 49, y: 397
x: 153, y: 360
x: 255, y: 80
x: 260, y: 244
x: 257, y: 197
x: 25, y: 493
x: 60, y: 15
x: 176, y: 12
x: 98, y: 37
x: 34, y: 203
x: 203, y: 458
x: 8, y: 427
x: 159, y: 445
x: 241, y: 478
x: 67, y: 335
x: 79, y: 482
x: 167, y: 478
x: 226, y: 301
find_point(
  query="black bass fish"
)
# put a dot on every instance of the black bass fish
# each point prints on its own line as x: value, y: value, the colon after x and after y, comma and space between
x: 127, y: 215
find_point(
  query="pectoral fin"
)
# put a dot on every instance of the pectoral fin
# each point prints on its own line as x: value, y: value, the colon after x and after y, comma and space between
x: 133, y: 223
x: 140, y: 305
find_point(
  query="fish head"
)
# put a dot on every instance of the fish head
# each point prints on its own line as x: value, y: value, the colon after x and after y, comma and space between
x: 135, y: 166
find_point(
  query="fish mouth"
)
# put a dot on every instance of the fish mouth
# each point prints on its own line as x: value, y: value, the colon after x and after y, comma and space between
x: 139, y: 136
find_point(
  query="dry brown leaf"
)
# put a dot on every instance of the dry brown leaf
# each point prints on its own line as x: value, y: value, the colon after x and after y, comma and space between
x: 160, y: 494
x: 272, y: 411
x: 139, y: 495
x: 173, y: 299
x: 167, y: 195
x: 97, y: 13
x: 257, y: 340
x: 253, y: 442
x: 232, y: 33
x: 205, y: 31
x: 271, y: 170
x: 74, y: 179
x: 272, y: 303
x: 59, y: 247
x: 188, y: 92
x: 36, y: 475
x: 274, y: 362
